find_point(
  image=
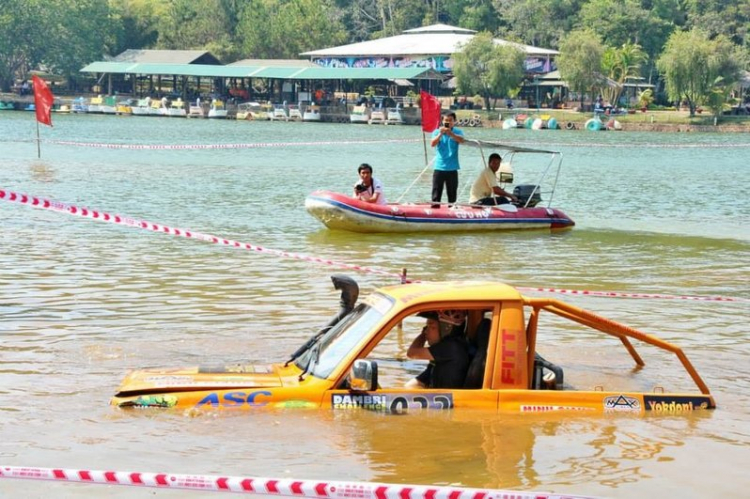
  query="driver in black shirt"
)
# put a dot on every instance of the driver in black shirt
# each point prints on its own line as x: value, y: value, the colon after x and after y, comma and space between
x: 442, y: 343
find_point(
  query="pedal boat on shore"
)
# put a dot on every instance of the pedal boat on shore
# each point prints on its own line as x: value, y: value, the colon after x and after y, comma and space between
x: 343, y: 212
x: 341, y: 367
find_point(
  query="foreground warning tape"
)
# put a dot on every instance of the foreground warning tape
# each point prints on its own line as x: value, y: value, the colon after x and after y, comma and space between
x: 69, y: 209
x: 250, y: 145
x: 613, y: 294
x: 269, y: 486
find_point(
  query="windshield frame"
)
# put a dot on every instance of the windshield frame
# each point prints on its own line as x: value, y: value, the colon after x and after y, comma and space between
x: 336, y: 344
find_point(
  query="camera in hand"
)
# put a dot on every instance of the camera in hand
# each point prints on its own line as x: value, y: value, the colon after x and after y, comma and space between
x: 360, y: 187
x: 447, y: 124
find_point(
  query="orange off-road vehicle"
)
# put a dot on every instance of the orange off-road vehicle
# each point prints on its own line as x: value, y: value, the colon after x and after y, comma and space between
x: 358, y: 361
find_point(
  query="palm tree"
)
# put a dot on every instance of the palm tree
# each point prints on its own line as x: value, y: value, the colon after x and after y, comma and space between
x: 621, y: 64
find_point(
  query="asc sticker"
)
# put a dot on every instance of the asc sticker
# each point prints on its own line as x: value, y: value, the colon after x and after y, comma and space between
x: 394, y: 402
x: 236, y: 399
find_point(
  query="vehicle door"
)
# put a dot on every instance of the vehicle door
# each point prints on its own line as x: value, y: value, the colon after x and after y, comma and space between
x: 393, y: 389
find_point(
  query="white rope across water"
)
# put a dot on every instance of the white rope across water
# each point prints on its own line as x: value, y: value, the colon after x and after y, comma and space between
x: 247, y: 145
x: 262, y: 145
x: 634, y: 145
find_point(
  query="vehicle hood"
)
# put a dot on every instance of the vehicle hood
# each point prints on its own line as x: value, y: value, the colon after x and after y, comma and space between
x: 200, y: 378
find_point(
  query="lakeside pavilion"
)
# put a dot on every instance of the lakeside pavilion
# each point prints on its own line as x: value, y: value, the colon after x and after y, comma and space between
x: 420, y: 58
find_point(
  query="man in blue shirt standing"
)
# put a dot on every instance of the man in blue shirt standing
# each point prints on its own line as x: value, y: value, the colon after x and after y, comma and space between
x: 446, y: 140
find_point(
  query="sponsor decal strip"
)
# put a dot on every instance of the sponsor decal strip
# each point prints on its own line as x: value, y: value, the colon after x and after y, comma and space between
x: 553, y: 408
x: 70, y: 209
x: 267, y: 486
x: 668, y: 404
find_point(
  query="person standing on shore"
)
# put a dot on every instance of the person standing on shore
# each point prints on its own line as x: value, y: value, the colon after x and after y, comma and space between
x: 446, y: 140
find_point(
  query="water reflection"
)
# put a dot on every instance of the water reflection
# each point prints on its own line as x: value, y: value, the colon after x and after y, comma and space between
x: 514, y: 452
x: 42, y: 171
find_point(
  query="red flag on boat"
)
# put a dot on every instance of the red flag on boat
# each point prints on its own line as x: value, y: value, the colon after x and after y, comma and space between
x: 431, y: 109
x: 43, y: 100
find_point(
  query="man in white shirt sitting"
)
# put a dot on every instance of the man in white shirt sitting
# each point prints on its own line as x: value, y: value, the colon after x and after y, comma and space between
x: 486, y: 190
x: 368, y: 189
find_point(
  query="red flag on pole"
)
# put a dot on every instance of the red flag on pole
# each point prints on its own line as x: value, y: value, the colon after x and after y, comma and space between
x: 43, y: 100
x: 431, y: 109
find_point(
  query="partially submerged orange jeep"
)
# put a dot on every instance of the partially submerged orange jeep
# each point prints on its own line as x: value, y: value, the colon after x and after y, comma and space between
x: 357, y: 361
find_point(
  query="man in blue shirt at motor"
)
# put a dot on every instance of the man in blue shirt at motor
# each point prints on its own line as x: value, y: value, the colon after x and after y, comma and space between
x: 446, y: 140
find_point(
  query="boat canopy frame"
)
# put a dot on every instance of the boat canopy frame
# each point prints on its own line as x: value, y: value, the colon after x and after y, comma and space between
x: 554, y: 164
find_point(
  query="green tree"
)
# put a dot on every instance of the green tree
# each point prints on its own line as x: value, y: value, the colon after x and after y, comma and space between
x: 620, y: 64
x: 197, y: 25
x: 61, y: 35
x: 721, y: 17
x: 23, y: 29
x: 83, y: 32
x: 695, y: 68
x: 371, y: 19
x: 135, y: 24
x: 282, y: 29
x: 580, y: 61
x: 485, y: 68
x: 479, y: 15
x: 542, y: 24
x: 627, y: 21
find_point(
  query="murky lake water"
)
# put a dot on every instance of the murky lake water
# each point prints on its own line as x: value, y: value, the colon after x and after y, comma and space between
x: 81, y: 303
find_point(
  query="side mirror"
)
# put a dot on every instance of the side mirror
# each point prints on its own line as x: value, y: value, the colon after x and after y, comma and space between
x: 363, y: 376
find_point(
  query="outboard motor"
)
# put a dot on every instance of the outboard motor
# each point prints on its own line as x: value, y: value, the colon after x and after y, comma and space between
x: 528, y: 194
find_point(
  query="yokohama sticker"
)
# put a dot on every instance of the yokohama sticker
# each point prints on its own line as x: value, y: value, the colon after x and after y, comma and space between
x: 666, y: 404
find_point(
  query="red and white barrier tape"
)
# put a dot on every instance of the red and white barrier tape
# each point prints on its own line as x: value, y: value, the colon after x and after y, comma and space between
x: 269, y: 486
x: 250, y: 145
x: 69, y: 209
x: 633, y: 145
x: 613, y: 294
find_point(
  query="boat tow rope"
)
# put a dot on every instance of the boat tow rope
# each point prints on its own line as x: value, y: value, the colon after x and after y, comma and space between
x: 249, y: 145
x: 69, y: 209
x: 269, y: 486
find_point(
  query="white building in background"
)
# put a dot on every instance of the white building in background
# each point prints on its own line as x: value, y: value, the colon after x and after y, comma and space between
x: 426, y: 47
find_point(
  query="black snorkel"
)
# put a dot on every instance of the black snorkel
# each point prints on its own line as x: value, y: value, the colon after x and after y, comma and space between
x: 349, y: 294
